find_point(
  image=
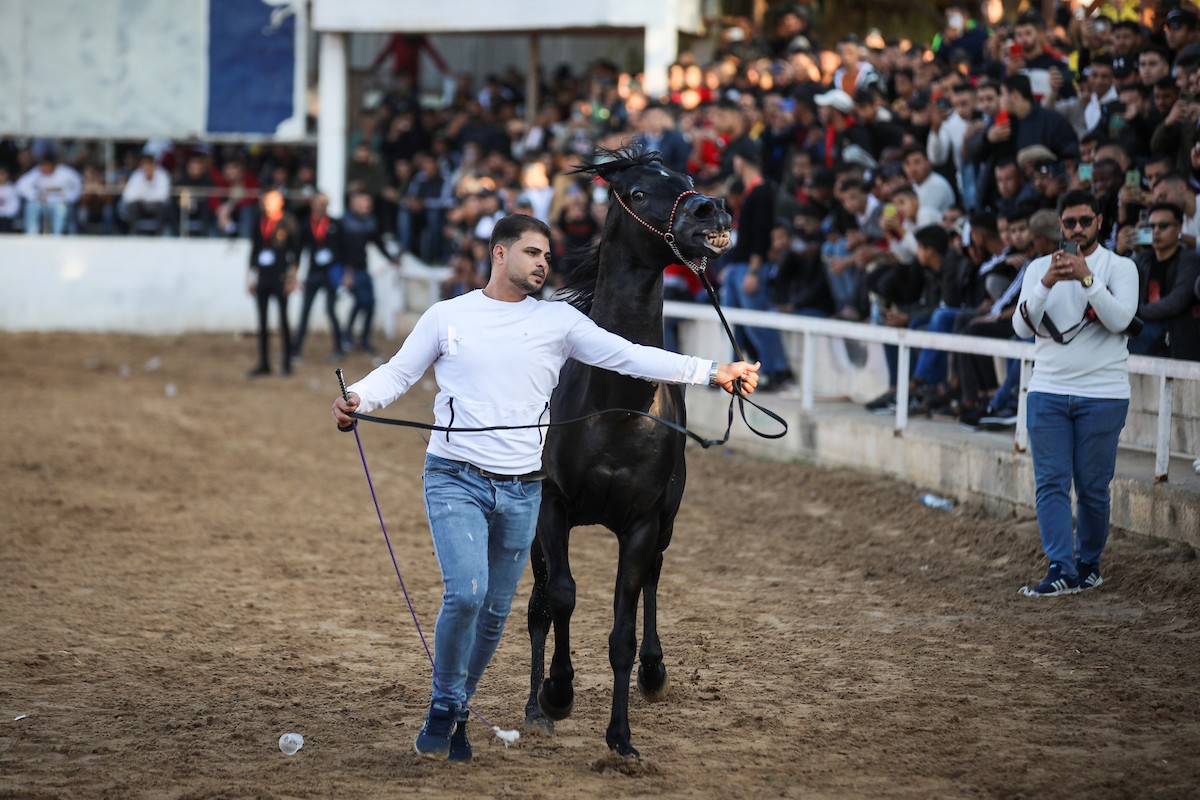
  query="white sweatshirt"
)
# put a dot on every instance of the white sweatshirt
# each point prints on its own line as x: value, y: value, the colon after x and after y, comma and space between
x: 1092, y: 364
x: 497, y: 362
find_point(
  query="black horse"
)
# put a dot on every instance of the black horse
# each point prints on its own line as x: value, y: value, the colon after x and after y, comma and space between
x: 622, y: 471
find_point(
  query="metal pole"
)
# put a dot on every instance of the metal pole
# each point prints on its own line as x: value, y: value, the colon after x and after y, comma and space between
x: 1022, y: 442
x: 902, y: 389
x: 532, y: 101
x: 807, y: 370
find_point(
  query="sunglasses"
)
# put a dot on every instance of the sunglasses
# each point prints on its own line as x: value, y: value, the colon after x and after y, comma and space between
x: 1069, y: 223
x: 1161, y: 226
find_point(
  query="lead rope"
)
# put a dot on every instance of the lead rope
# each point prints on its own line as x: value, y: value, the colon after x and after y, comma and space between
x: 506, y: 736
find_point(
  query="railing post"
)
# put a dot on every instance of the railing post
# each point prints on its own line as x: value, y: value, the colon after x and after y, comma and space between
x: 902, y: 389
x: 1162, y: 445
x: 1022, y: 441
x: 185, y: 200
x: 807, y: 370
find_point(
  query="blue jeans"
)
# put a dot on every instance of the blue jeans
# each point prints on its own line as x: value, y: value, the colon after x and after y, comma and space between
x: 482, y: 530
x: 931, y: 364
x: 891, y: 353
x: 1073, y: 439
x: 767, y: 342
x: 56, y: 211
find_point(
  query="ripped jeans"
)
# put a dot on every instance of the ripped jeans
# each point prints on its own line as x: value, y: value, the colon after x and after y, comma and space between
x: 482, y: 530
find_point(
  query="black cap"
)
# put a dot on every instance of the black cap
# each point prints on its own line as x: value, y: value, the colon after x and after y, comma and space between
x: 1182, y: 18
x: 1122, y: 66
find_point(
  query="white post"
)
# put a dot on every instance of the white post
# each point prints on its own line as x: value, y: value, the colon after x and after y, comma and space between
x: 902, y: 388
x: 331, y: 121
x: 1022, y: 442
x: 532, y: 100
x: 1162, y: 445
x: 807, y: 370
x: 661, y: 49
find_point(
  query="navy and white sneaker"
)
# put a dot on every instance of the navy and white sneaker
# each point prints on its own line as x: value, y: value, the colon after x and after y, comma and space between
x: 1089, y: 575
x: 433, y: 741
x: 1054, y: 584
x: 460, y: 745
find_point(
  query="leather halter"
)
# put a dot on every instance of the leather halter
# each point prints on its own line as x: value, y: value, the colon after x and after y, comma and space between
x: 667, y: 235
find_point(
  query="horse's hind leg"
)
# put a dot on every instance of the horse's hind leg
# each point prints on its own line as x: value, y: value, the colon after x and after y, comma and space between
x: 652, y: 673
x: 539, y: 628
x: 556, y: 697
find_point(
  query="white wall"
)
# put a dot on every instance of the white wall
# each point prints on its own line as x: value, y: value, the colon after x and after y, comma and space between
x: 159, y: 286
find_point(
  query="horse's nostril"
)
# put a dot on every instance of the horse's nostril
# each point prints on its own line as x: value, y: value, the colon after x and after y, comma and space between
x: 706, y: 210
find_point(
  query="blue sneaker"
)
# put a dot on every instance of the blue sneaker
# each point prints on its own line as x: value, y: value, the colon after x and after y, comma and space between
x: 1054, y: 584
x: 433, y: 741
x: 1089, y: 575
x: 460, y: 745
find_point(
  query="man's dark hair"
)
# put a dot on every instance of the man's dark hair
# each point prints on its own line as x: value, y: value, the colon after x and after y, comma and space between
x: 1163, y: 52
x: 934, y: 237
x: 1078, y: 197
x: 906, y: 189
x: 852, y: 183
x: 910, y: 149
x: 984, y: 223
x: 1172, y: 209
x: 1128, y: 24
x: 1019, y: 84
x: 1102, y: 60
x: 1031, y: 18
x: 1020, y: 213
x: 1142, y: 90
x: 513, y: 227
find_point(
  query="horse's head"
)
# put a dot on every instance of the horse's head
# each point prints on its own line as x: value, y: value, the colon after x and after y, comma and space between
x: 656, y: 204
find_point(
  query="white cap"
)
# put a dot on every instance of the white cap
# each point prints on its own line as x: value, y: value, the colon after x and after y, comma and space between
x: 838, y: 99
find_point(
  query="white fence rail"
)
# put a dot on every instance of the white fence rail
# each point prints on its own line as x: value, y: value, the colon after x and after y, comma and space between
x: 1166, y: 370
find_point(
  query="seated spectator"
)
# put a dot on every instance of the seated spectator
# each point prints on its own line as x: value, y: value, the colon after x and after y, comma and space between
x: 49, y: 190
x: 1173, y: 188
x: 801, y: 286
x: 235, y: 203
x: 933, y: 190
x: 1167, y: 302
x: 145, y: 197
x: 193, y: 212
x: 94, y: 214
x: 1012, y: 190
x: 10, y: 202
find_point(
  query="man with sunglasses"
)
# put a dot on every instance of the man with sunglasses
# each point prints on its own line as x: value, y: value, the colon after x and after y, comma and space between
x: 1167, y: 271
x: 1077, y: 302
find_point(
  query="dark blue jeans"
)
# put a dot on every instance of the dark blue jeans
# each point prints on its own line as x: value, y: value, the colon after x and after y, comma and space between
x: 1074, y: 440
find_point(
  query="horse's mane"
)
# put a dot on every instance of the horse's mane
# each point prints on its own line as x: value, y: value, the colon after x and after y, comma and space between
x: 579, y: 285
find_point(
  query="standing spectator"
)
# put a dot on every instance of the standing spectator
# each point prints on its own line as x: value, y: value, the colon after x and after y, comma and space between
x: 321, y: 238
x: 49, y: 190
x: 274, y: 244
x: 1168, y: 306
x: 841, y: 129
x: 746, y: 280
x: 1079, y: 305
x: 945, y: 145
x: 10, y: 202
x: 145, y: 197
x: 853, y: 73
x: 359, y: 229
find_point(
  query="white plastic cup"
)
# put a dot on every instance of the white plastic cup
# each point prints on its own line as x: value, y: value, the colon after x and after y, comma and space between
x: 290, y: 743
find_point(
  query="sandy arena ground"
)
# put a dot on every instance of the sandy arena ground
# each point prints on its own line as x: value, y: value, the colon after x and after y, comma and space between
x: 192, y: 567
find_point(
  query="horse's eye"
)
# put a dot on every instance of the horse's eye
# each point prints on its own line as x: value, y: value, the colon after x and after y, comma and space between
x: 638, y: 195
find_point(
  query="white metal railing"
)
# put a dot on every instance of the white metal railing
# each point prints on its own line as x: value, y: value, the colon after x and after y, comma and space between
x: 1165, y: 369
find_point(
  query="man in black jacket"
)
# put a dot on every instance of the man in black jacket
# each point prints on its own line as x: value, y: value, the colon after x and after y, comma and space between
x: 321, y: 238
x: 1167, y: 301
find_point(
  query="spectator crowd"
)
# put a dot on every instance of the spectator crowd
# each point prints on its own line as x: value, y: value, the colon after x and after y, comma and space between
x: 872, y: 179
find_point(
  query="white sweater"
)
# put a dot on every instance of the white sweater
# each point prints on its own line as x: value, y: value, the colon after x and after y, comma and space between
x: 497, y: 362
x: 1093, y: 363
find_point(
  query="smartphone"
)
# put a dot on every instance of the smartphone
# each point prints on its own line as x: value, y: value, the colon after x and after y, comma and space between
x: 1002, y: 117
x: 1133, y: 178
x: 1015, y: 50
x: 889, y: 211
x: 1085, y: 172
x: 1069, y: 247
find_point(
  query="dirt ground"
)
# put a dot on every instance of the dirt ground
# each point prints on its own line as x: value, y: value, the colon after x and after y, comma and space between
x: 192, y: 567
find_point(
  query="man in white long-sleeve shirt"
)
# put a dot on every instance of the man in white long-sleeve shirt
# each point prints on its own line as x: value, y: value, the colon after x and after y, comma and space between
x: 1079, y: 305
x: 497, y: 353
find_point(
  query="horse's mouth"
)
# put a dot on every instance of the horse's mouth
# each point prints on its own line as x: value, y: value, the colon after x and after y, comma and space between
x: 717, y: 241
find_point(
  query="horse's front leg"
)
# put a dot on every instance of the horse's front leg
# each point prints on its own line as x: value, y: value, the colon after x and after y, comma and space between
x: 636, y: 562
x: 556, y: 697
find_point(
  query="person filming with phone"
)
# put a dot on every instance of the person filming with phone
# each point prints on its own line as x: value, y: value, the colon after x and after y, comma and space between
x: 1078, y: 303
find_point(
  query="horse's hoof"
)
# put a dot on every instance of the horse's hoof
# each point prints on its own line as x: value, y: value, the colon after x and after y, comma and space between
x: 624, y: 749
x: 549, y: 707
x: 653, y: 687
x: 537, y: 723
